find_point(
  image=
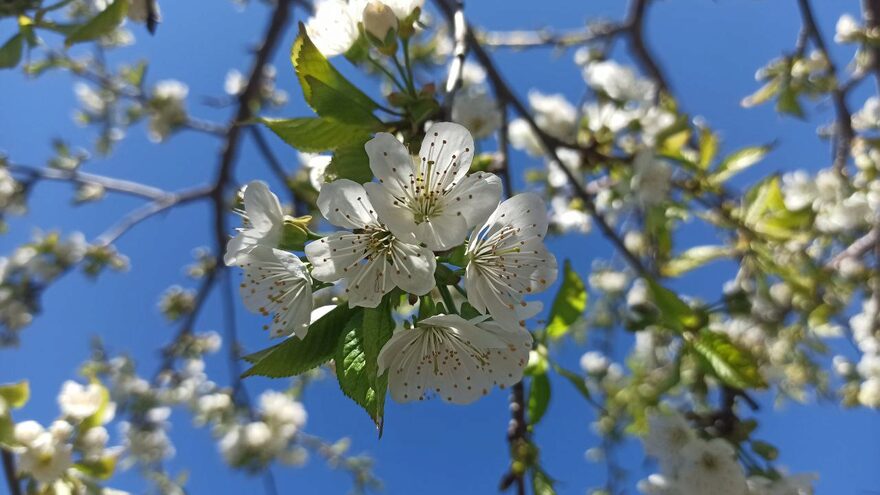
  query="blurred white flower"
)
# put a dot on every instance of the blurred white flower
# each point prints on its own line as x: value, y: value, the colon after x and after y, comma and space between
x: 78, y: 401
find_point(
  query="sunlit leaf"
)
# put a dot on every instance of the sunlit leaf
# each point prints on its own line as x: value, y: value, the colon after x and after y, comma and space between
x: 356, y: 355
x: 295, y: 355
x: 315, y: 134
x: 569, y: 303
x: 738, y: 161
x: 15, y: 395
x: 728, y: 362
x: 539, y: 397
x: 103, y: 23
x: 694, y: 257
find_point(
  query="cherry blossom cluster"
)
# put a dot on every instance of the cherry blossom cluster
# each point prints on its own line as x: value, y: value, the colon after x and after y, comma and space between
x: 691, y: 465
x: 395, y: 228
x: 72, y: 454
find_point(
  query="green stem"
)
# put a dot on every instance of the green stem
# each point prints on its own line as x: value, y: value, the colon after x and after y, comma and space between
x: 409, y: 85
x: 447, y: 299
x: 387, y: 72
x: 406, y: 60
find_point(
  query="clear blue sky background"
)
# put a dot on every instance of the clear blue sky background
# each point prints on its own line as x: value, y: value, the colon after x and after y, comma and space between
x: 710, y: 50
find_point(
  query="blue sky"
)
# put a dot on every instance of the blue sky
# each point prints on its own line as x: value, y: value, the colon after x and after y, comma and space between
x: 709, y: 49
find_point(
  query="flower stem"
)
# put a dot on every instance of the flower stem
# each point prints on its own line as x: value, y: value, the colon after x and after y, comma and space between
x: 387, y: 72
x: 403, y: 73
x: 408, y: 63
x: 447, y: 299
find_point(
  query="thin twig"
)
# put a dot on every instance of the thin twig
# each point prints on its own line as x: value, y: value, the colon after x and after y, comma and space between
x: 523, y: 39
x: 843, y: 125
x: 635, y: 28
x: 109, y: 183
x: 163, y: 203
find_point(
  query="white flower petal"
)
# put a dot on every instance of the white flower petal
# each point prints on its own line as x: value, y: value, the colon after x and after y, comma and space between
x: 390, y: 162
x: 344, y: 203
x: 413, y: 268
x: 262, y: 206
x: 333, y: 29
x: 333, y: 257
x: 398, y: 219
x: 448, y: 149
x: 508, y: 260
x: 453, y: 358
x: 277, y: 283
x: 476, y: 196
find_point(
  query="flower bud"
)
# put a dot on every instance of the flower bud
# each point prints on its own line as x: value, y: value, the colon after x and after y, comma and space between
x: 380, y: 26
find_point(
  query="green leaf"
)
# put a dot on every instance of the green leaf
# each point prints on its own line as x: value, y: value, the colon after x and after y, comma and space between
x: 708, y: 148
x: 765, y: 212
x: 10, y: 52
x: 788, y: 103
x: 310, y: 63
x: 569, y: 304
x: 738, y: 161
x: 100, y: 415
x: 675, y: 314
x: 350, y: 162
x: 763, y: 94
x: 356, y: 356
x: 332, y: 103
x: 729, y: 363
x: 102, y: 468
x: 541, y: 483
x: 295, y: 355
x: 15, y: 395
x: 694, y: 257
x: 103, y: 23
x: 314, y: 134
x: 539, y: 398
x: 7, y: 432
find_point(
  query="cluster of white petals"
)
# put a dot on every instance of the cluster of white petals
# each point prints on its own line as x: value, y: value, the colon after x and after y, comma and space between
x: 691, y: 465
x: 333, y: 27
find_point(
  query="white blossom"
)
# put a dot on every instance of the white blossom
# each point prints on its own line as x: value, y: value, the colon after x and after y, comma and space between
x: 710, y: 467
x: 799, y: 190
x: 371, y: 260
x: 263, y: 219
x: 433, y: 201
x: 78, y: 401
x: 43, y: 456
x: 594, y: 362
x: 317, y: 166
x: 456, y: 359
x: 276, y: 282
x: 475, y: 109
x: 847, y: 29
x: 667, y: 435
x: 618, y: 82
x: 553, y: 114
x: 607, y: 116
x: 652, y: 179
x: 507, y: 259
x: 523, y: 137
x: 868, y: 117
x: 333, y: 28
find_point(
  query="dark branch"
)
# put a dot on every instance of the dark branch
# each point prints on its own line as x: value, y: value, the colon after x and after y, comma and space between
x: 9, y: 469
x: 843, y: 124
x: 635, y: 28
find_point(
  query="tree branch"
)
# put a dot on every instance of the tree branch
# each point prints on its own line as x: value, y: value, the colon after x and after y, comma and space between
x: 635, y: 28
x: 843, y: 125
x: 542, y: 38
x: 109, y: 183
x: 9, y: 469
